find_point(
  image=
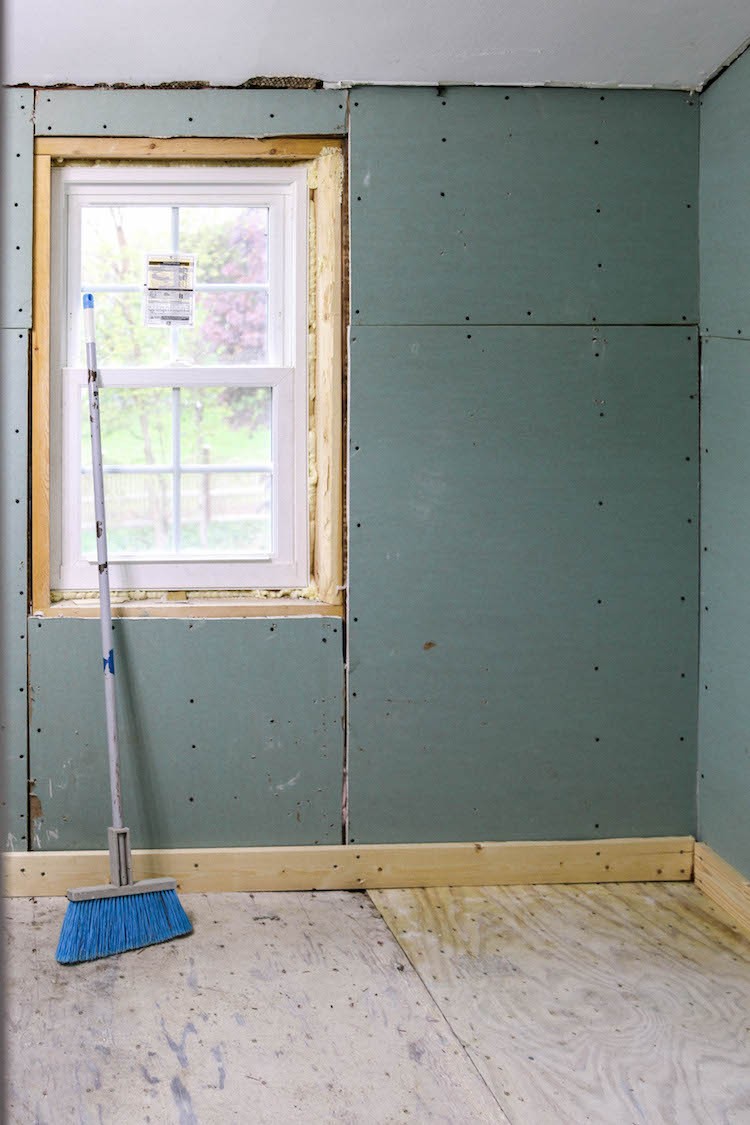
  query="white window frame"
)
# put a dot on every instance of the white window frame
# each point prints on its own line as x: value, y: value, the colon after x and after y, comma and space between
x: 284, y: 190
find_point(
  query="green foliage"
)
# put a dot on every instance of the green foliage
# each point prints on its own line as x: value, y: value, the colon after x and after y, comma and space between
x: 218, y: 425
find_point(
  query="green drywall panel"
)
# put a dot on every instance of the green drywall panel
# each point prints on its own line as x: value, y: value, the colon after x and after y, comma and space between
x: 543, y: 206
x: 189, y: 113
x: 16, y: 193
x: 724, y: 726
x: 14, y: 347
x: 724, y: 203
x: 523, y: 576
x: 231, y: 732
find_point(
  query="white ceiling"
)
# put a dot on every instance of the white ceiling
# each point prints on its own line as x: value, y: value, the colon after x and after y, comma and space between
x: 667, y: 43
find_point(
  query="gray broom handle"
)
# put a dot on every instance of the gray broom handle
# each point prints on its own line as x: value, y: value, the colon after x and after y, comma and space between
x: 105, y: 612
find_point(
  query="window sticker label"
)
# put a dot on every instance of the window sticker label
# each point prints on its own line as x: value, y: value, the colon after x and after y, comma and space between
x: 169, y: 290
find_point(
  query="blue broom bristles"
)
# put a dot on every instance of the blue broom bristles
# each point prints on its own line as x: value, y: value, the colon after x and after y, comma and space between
x: 99, y: 927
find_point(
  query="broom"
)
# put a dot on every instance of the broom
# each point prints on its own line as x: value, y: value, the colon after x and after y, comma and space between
x: 120, y: 915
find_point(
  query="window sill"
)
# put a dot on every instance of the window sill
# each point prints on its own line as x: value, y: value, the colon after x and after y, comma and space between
x: 195, y: 607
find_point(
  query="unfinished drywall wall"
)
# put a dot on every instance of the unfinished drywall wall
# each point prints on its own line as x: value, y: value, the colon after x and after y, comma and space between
x: 231, y: 730
x: 724, y: 728
x: 523, y: 509
x: 16, y: 109
x: 524, y: 491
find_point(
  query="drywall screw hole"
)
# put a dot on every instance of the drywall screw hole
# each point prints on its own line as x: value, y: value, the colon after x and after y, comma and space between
x: 18, y: 501
x: 15, y: 204
x: 104, y: 126
x: 443, y: 194
x: 598, y: 210
x: 601, y: 98
x: 192, y: 701
x: 598, y: 601
x: 340, y: 106
x: 359, y: 199
x: 356, y: 312
x: 596, y: 142
x: 507, y: 97
x: 468, y: 337
x: 324, y: 640
x: 528, y: 312
x: 355, y: 619
x: 356, y: 449
x: 354, y: 695
x: 445, y: 103
x: 596, y: 826
x: 359, y: 525
x: 38, y: 730
x: 193, y: 746
x: 191, y: 798
x: 444, y: 139
x: 598, y: 265
x: 688, y: 205
x: 682, y: 675
x: 682, y: 597
x: 601, y: 503
x: 597, y: 740
x: 682, y: 738
x: 272, y: 115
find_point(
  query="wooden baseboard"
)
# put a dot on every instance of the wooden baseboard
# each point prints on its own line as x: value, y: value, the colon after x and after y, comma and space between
x: 366, y: 866
x: 724, y: 885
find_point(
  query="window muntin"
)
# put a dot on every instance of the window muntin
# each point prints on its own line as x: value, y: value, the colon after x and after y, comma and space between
x: 184, y: 511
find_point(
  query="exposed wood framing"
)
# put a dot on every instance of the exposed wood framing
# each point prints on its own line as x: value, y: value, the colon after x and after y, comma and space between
x: 724, y: 885
x: 40, y: 316
x: 327, y: 556
x: 348, y: 867
x: 185, y: 148
x: 214, y: 607
x: 325, y: 158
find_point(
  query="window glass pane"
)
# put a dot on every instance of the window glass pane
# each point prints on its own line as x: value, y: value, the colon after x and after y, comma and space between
x: 139, y: 514
x: 230, y: 243
x: 230, y: 328
x: 226, y: 513
x: 122, y: 339
x: 115, y: 241
x: 225, y: 425
x: 136, y: 425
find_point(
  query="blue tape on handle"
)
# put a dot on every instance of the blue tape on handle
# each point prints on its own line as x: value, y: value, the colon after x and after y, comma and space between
x: 88, y: 300
x: 109, y: 662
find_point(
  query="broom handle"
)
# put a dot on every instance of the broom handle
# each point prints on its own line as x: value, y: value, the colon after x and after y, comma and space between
x: 105, y: 613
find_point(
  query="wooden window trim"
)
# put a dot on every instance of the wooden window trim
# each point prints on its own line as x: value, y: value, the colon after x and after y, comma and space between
x: 325, y: 157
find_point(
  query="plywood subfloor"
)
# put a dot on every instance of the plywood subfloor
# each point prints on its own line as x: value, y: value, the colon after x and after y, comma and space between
x: 616, y: 1004
x: 280, y: 1008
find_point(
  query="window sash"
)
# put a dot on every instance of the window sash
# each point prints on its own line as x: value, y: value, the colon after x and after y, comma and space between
x: 288, y: 564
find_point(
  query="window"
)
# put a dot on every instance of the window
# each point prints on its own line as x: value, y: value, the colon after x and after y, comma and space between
x: 212, y: 429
